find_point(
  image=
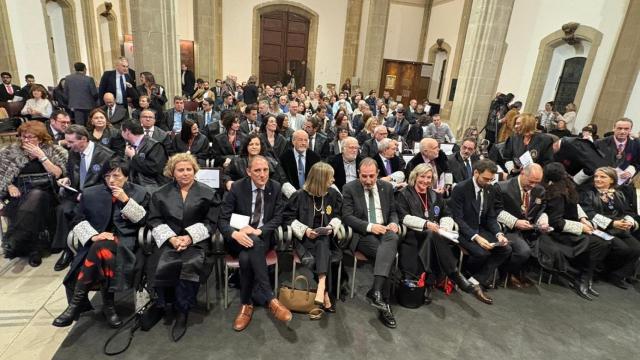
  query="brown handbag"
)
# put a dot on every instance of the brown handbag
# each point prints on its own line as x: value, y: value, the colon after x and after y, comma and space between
x: 297, y: 300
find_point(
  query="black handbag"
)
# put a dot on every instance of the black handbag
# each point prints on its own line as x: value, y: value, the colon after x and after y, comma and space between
x: 145, y: 318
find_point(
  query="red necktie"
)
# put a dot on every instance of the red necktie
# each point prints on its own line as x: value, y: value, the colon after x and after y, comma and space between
x: 525, y: 203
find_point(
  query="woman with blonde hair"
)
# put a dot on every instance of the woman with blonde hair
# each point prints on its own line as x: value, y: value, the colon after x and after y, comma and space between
x: 527, y: 140
x: 314, y: 215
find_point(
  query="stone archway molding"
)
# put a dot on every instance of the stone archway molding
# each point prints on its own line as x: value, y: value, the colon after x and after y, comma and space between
x: 114, y: 41
x: 431, y: 59
x: 70, y: 33
x: 296, y: 8
x: 543, y: 63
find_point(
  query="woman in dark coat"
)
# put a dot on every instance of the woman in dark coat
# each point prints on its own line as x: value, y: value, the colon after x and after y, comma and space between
x: 251, y: 147
x: 317, y: 206
x: 191, y: 141
x: 526, y: 138
x: 106, y: 224
x: 101, y: 131
x: 608, y: 209
x: 423, y: 250
x: 183, y: 216
x: 574, y: 251
x: 226, y: 146
x: 275, y: 143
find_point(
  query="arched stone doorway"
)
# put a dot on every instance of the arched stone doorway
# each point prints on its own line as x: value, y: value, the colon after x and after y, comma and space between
x: 63, y: 36
x: 298, y: 12
x: 110, y: 43
x: 438, y: 56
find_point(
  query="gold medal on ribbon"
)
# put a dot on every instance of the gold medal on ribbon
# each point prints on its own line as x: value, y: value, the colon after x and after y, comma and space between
x: 329, y: 209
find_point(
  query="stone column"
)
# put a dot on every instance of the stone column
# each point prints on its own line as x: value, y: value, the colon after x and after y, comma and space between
x: 124, y: 17
x: 7, y: 54
x: 426, y: 18
x: 155, y: 42
x: 207, y: 19
x: 457, y: 58
x: 94, y: 66
x: 351, y: 40
x: 374, y: 45
x: 622, y: 73
x: 481, y: 59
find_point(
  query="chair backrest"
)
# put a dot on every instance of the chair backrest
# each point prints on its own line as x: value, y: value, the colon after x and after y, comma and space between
x: 13, y: 108
x: 191, y: 106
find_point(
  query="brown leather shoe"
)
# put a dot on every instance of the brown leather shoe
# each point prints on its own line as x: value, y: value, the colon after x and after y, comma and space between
x: 279, y: 311
x: 480, y: 295
x: 244, y: 318
x: 514, y: 282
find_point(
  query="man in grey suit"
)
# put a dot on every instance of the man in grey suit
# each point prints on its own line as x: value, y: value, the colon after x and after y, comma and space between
x: 369, y: 209
x: 115, y: 113
x: 81, y: 93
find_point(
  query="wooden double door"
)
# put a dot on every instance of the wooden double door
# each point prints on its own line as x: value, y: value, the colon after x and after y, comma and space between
x: 404, y: 81
x: 284, y: 38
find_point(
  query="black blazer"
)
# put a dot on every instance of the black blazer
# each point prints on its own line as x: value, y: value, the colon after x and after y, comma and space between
x: 95, y: 173
x: 162, y: 137
x: 540, y: 146
x: 458, y: 168
x: 402, y: 131
x: 408, y: 202
x: 108, y: 84
x: 592, y: 205
x: 321, y: 147
x: 167, y: 119
x: 579, y: 154
x: 355, y: 212
x: 465, y: 209
x: 120, y: 113
x: 221, y: 148
x: 244, y: 126
x: 369, y: 148
x: 148, y: 163
x: 189, y: 82
x: 300, y: 206
x: 339, y: 175
x: 4, y: 95
x: 397, y: 164
x: 279, y: 147
x: 239, y: 201
x: 47, y: 124
x: 609, y: 150
x: 199, y: 147
x: 509, y: 199
x: 112, y: 139
x: 289, y: 162
x: 442, y: 165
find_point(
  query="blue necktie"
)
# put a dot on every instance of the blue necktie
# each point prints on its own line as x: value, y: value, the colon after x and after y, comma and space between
x: 83, y: 170
x: 387, y: 166
x: 300, y: 171
x: 208, y: 121
x: 123, y: 89
x: 469, y: 171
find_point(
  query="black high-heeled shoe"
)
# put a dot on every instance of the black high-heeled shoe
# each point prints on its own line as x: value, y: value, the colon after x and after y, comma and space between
x: 331, y: 309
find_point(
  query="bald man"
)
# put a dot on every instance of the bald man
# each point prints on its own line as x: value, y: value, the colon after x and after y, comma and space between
x: 115, y: 113
x: 520, y: 208
x: 430, y: 153
x: 297, y: 161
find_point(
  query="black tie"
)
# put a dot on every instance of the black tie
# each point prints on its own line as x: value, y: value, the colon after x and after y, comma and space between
x: 479, y: 201
x: 257, y: 211
x: 468, y: 166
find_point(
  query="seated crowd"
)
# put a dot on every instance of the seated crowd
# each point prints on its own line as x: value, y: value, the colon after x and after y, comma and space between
x: 319, y: 163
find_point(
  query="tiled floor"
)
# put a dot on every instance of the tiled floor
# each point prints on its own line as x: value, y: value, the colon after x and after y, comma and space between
x: 31, y: 298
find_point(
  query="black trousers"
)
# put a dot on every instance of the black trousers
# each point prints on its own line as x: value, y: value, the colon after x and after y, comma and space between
x: 64, y: 215
x: 254, y: 276
x: 320, y: 248
x: 28, y: 216
x: 482, y: 263
x: 80, y: 116
x: 415, y: 254
x: 623, y: 255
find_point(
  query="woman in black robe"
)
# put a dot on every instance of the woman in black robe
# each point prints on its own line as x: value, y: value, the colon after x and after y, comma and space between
x: 106, y: 223
x: 608, y: 209
x: 101, y: 131
x: 274, y: 142
x: 226, y: 146
x: 423, y: 250
x: 191, y: 141
x: 317, y: 206
x: 251, y: 147
x: 183, y: 216
x: 574, y: 251
x: 526, y: 138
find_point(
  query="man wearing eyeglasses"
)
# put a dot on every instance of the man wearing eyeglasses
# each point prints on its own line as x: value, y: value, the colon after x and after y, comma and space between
x: 56, y: 126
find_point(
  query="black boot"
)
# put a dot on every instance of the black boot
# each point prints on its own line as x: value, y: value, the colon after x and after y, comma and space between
x: 462, y: 283
x: 180, y: 326
x: 76, y: 306
x: 109, y: 309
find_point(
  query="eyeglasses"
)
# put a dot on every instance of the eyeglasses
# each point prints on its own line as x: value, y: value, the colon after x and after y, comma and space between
x: 28, y: 137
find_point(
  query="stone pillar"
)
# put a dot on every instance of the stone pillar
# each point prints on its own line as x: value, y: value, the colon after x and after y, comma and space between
x: 481, y: 59
x: 207, y: 19
x: 426, y: 18
x: 7, y: 54
x: 94, y: 66
x: 374, y: 45
x: 457, y: 58
x: 155, y: 42
x: 124, y: 17
x: 351, y: 40
x: 622, y: 72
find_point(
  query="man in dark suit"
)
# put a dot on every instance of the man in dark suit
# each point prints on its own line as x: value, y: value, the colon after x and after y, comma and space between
x: 115, y: 113
x: 261, y: 200
x: 580, y: 157
x: 473, y: 207
x: 187, y: 80
x: 208, y: 119
x: 347, y: 164
x: 148, y: 121
x: 620, y: 150
x: 417, y: 130
x: 81, y: 93
x: 8, y: 90
x: 250, y: 123
x: 121, y: 82
x: 58, y: 122
x: 391, y: 165
x: 520, y: 210
x: 370, y: 147
x: 297, y: 162
x: 318, y: 141
x: 369, y: 209
x: 86, y: 166
x: 174, y: 117
x: 263, y: 111
x: 147, y: 156
x: 461, y: 163
x: 25, y: 92
x: 430, y: 153
x: 397, y: 125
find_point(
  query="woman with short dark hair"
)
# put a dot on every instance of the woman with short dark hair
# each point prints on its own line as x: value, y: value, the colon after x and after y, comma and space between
x: 251, y: 148
x: 191, y: 141
x: 101, y: 131
x: 226, y: 146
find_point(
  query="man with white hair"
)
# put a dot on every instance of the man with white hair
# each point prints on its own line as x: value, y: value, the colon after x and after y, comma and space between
x: 430, y: 153
x: 297, y: 162
x: 390, y: 164
x: 345, y: 165
x: 296, y: 121
x: 370, y: 147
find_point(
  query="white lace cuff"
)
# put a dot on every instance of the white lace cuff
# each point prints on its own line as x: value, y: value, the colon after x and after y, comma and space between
x: 414, y: 222
x: 543, y: 219
x: 581, y: 213
x: 162, y: 233
x: 447, y: 223
x: 198, y: 232
x: 84, y: 232
x: 335, y: 225
x: 133, y: 211
x: 298, y: 229
x: 601, y: 221
x: 507, y: 219
x: 572, y: 227
x: 630, y: 219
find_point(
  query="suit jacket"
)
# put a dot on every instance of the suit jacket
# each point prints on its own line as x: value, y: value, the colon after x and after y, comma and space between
x: 631, y: 154
x: 47, y: 124
x: 321, y: 146
x: 147, y: 164
x: 403, y: 127
x: 80, y: 91
x: 441, y: 163
x: 369, y: 148
x: 4, y: 95
x: 465, y: 210
x: 112, y: 139
x: 120, y: 113
x: 355, y: 212
x: 108, y: 84
x: 397, y: 164
x: 339, y: 175
x: 239, y: 201
x: 509, y: 200
x: 289, y: 162
x: 579, y: 154
x: 189, y: 82
x: 221, y: 148
x: 458, y: 168
x: 279, y: 147
x: 162, y: 137
x: 95, y: 171
x: 199, y: 148
x: 244, y: 126
x: 168, y: 118
x: 540, y: 146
